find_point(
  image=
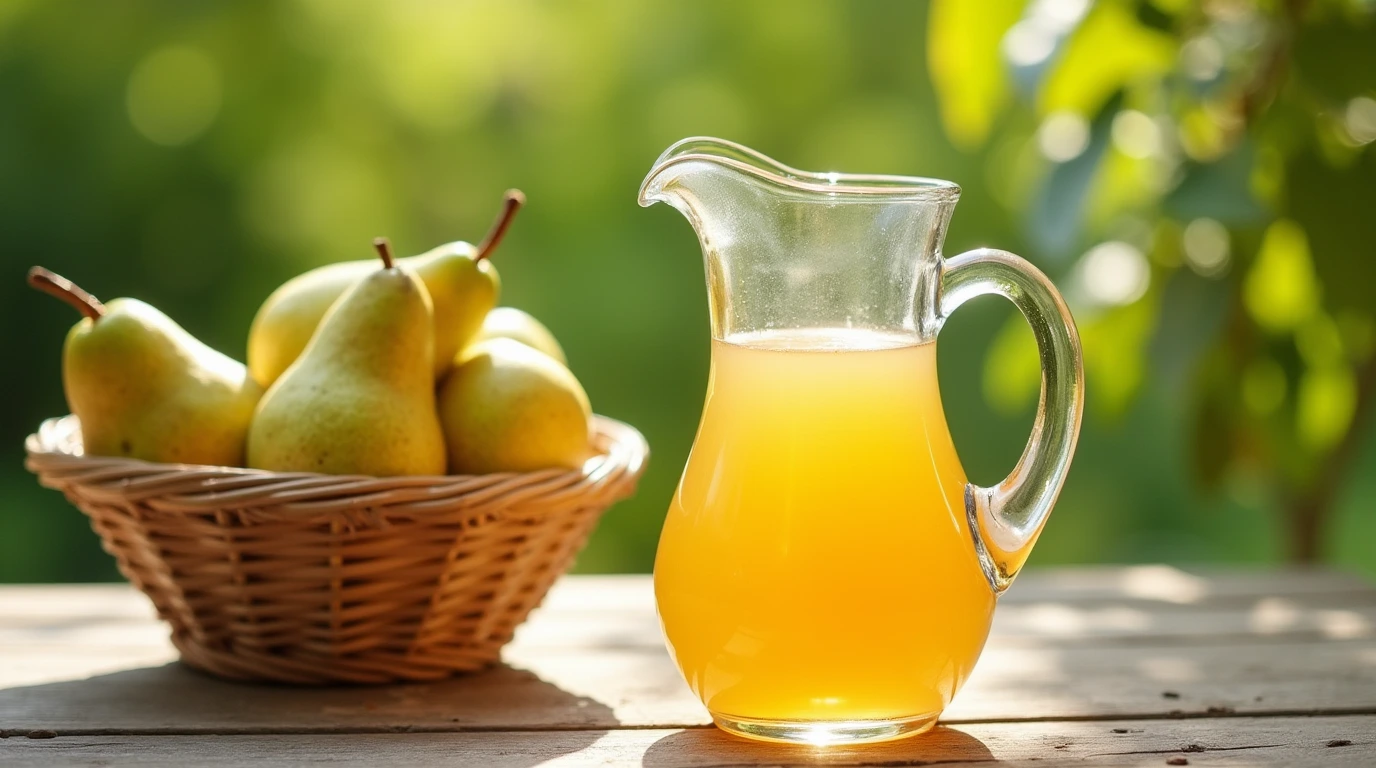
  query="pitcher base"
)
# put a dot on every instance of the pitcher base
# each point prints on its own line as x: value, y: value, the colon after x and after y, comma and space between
x: 822, y: 733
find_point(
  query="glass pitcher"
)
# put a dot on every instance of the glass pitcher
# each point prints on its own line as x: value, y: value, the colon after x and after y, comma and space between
x: 826, y: 574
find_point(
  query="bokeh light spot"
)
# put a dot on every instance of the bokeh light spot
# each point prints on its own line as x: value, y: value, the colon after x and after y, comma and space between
x: 1360, y: 120
x: 1060, y: 14
x: 1032, y: 41
x: 1201, y: 58
x: 1163, y: 583
x: 1207, y: 249
x: 1135, y: 134
x: 1343, y: 624
x: 1063, y: 136
x: 174, y: 95
x: 1272, y: 615
x: 1028, y: 44
x: 1114, y: 273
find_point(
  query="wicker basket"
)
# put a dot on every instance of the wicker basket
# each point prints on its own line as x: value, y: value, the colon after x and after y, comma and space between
x: 307, y: 578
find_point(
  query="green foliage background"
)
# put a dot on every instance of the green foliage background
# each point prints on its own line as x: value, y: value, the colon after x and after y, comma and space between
x: 196, y: 155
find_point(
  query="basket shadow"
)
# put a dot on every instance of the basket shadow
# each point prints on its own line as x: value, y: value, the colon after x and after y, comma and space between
x: 175, y: 699
x: 712, y: 746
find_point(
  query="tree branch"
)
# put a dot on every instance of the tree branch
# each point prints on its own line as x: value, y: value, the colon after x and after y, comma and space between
x: 1309, y: 510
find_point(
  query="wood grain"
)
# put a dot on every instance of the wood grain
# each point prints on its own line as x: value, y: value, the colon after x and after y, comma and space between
x: 1226, y: 742
x: 613, y: 688
x: 1127, y: 585
x: 1270, y: 620
x: 1224, y: 660
x: 607, y: 612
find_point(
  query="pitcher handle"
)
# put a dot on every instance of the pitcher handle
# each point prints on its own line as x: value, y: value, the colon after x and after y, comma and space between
x: 1006, y: 519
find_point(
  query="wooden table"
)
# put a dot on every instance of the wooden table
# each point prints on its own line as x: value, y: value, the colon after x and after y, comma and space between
x: 1105, y: 666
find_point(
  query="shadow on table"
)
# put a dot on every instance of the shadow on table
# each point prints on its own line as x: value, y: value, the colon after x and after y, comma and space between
x: 712, y: 747
x: 175, y: 699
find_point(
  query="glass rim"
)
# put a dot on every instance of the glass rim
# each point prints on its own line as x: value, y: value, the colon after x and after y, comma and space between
x: 831, y: 184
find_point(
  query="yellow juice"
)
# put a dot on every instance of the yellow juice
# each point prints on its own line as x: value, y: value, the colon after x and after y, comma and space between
x: 816, y: 563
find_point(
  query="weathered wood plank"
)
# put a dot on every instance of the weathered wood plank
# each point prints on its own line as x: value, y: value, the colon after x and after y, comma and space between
x: 119, y: 617
x: 72, y: 601
x: 1270, y: 620
x: 641, y: 688
x: 1182, y: 586
x: 1047, y: 683
x: 1135, y: 585
x: 1299, y: 644
x: 1224, y: 742
x: 1130, y: 585
x: 22, y: 665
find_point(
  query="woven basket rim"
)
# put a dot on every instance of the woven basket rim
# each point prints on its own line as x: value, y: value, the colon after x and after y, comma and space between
x: 53, y: 453
x: 34, y: 445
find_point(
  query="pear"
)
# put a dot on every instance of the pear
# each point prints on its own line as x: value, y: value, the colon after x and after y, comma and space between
x: 512, y: 323
x: 361, y: 397
x: 144, y: 388
x: 508, y: 408
x: 461, y: 281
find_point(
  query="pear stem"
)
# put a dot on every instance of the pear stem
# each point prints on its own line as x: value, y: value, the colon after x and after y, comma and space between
x: 511, y: 203
x: 54, y: 284
x: 384, y: 249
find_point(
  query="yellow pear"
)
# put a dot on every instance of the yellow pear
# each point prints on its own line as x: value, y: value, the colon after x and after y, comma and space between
x: 144, y: 388
x: 512, y: 323
x: 462, y: 283
x: 360, y: 400
x: 508, y: 408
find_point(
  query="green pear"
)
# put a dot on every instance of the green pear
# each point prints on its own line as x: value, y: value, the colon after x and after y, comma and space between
x: 512, y: 323
x: 461, y: 281
x: 360, y: 400
x: 144, y: 388
x: 508, y: 408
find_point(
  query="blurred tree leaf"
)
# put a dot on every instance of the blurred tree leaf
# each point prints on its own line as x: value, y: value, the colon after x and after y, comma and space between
x: 1268, y: 105
x: 1192, y: 312
x: 1012, y: 368
x: 1281, y: 290
x: 1114, y: 344
x: 1263, y: 385
x: 967, y: 70
x: 1337, y: 56
x: 1171, y: 6
x: 1109, y: 50
x: 1123, y: 183
x: 1325, y: 402
x: 1219, y: 190
x: 1334, y: 205
x: 1056, y: 216
x: 1215, y: 422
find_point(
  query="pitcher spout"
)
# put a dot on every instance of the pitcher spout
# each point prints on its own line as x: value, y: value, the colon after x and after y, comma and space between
x: 787, y: 249
x: 677, y: 163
